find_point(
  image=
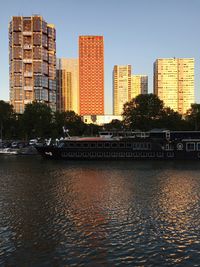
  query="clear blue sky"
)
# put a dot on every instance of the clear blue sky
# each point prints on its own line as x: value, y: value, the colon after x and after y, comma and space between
x: 135, y: 32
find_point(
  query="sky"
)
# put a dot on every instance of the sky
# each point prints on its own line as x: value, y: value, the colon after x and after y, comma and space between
x: 136, y: 32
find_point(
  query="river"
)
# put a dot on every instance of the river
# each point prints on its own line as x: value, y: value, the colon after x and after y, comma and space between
x: 100, y: 213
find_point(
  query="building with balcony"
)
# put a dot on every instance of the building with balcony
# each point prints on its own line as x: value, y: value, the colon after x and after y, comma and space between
x: 174, y: 82
x: 32, y: 62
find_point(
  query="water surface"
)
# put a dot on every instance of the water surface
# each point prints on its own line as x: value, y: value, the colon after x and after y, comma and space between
x: 107, y: 213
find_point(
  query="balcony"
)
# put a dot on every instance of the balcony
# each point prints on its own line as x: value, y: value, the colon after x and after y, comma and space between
x: 27, y: 60
x: 27, y: 46
x: 28, y: 101
x: 28, y: 74
x: 28, y: 88
x: 27, y: 33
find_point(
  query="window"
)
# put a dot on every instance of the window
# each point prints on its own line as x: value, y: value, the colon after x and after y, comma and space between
x: 93, y: 145
x: 36, y: 53
x: 128, y: 145
x: 190, y: 146
x: 121, y: 144
x: 198, y: 146
x: 100, y: 145
x: 37, y: 67
x: 71, y: 144
x: 114, y: 144
x: 17, y: 53
x: 37, y: 39
x: 36, y: 24
x: 106, y: 145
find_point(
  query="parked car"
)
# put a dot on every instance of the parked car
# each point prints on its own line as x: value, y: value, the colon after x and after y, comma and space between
x: 33, y: 142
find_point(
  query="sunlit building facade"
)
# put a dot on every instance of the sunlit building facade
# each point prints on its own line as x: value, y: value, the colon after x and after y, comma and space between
x: 100, y: 119
x: 174, y: 82
x: 67, y: 84
x: 121, y: 87
x: 139, y: 85
x: 91, y: 75
x: 32, y: 62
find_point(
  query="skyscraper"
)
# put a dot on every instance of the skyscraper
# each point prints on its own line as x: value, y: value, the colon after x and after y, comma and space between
x: 32, y: 58
x: 67, y: 84
x: 91, y: 75
x: 139, y: 85
x: 174, y: 82
x: 121, y: 87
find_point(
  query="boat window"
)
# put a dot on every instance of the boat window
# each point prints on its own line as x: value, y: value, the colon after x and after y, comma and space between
x: 128, y: 145
x: 106, y: 144
x: 190, y: 146
x: 100, y: 144
x: 71, y: 144
x: 93, y: 145
x: 114, y: 144
x: 145, y: 145
x: 85, y: 144
x: 198, y: 146
x: 78, y: 144
x: 138, y: 145
x: 121, y: 144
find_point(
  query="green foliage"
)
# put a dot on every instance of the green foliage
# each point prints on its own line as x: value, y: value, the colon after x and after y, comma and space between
x: 193, y: 117
x: 7, y: 119
x: 113, y: 125
x: 92, y: 129
x: 70, y: 120
x: 171, y: 120
x: 146, y: 112
x: 36, y: 120
x: 142, y: 112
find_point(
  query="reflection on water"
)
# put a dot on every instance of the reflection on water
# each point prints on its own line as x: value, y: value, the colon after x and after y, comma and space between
x: 99, y: 213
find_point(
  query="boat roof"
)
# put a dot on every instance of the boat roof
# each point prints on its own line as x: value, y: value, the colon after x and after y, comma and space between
x: 91, y: 139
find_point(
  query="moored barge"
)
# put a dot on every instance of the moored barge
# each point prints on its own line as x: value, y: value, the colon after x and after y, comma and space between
x: 126, y: 145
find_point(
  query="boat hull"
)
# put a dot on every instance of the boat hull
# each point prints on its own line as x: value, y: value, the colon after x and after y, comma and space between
x: 59, y: 153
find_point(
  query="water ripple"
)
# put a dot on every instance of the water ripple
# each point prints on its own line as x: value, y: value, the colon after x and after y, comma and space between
x: 97, y: 214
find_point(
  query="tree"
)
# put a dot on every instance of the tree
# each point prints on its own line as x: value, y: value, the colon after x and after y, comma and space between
x: 70, y: 120
x: 193, y: 117
x: 113, y: 125
x: 92, y: 129
x: 7, y: 119
x: 146, y: 112
x: 142, y: 112
x: 171, y: 120
x: 37, y: 120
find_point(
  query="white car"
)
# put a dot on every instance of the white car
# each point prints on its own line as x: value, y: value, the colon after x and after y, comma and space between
x: 32, y: 142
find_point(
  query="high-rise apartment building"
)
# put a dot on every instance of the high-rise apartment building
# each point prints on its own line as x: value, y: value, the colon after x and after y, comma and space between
x: 174, y: 82
x: 67, y: 84
x: 91, y: 75
x: 121, y: 87
x: 139, y: 85
x: 32, y: 58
